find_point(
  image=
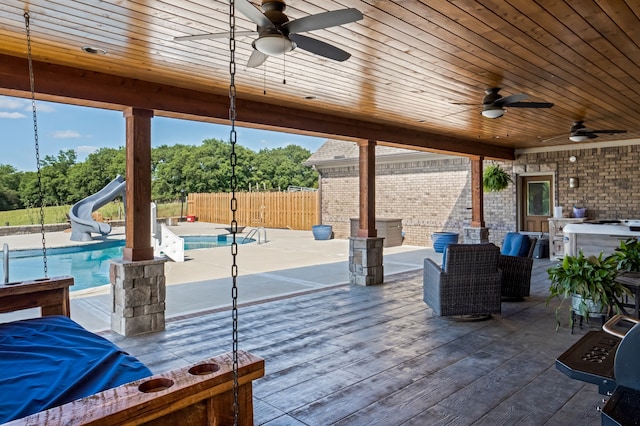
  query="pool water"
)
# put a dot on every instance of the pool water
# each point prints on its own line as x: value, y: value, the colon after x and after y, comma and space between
x: 89, y: 264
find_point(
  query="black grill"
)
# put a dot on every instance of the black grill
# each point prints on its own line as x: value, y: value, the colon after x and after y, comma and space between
x: 609, y: 359
x: 591, y: 360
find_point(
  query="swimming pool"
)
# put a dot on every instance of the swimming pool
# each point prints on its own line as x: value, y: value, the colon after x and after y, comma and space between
x: 89, y: 264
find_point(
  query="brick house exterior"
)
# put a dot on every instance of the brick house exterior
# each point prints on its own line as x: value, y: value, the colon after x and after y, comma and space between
x: 431, y: 192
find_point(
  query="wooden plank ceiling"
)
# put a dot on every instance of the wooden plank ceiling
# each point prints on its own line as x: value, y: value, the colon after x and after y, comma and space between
x: 416, y: 76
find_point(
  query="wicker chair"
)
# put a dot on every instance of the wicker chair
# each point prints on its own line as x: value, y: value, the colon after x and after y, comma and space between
x: 469, y: 285
x: 516, y: 267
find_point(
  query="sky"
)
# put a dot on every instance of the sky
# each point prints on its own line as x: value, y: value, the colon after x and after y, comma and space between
x: 62, y: 127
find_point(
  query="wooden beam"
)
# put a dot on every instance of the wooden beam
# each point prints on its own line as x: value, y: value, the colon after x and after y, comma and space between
x: 477, y: 193
x: 83, y: 87
x: 138, y: 194
x: 367, y: 173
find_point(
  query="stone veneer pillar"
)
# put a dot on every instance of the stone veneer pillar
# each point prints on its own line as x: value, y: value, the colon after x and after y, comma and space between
x: 365, y: 260
x: 138, y: 292
x: 475, y: 235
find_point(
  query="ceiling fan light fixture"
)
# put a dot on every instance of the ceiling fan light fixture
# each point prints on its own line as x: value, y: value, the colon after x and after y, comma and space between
x: 578, y: 138
x: 273, y: 45
x: 492, y: 112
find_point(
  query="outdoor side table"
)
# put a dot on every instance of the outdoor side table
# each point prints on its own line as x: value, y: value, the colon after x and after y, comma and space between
x: 631, y: 280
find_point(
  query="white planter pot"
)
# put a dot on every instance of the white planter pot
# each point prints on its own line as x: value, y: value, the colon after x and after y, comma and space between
x: 594, y: 310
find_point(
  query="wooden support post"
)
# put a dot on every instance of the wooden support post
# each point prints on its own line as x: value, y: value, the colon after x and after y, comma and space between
x: 138, y: 195
x: 367, y: 172
x: 477, y: 193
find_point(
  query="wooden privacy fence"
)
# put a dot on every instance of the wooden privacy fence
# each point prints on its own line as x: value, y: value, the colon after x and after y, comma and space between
x: 294, y: 210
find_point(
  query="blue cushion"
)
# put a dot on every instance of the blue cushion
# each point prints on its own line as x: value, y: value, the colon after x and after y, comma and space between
x: 445, y: 248
x: 515, y: 244
x: 49, y: 361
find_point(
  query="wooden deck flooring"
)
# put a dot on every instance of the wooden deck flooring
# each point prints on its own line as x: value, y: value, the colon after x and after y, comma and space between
x: 377, y: 356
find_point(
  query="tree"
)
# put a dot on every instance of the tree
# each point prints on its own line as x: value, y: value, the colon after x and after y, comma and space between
x: 9, y: 187
x: 202, y: 168
x: 280, y: 168
x: 54, y: 172
x: 100, y: 168
x: 29, y: 190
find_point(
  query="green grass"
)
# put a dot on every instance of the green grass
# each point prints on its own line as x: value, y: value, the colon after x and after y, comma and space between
x: 57, y: 214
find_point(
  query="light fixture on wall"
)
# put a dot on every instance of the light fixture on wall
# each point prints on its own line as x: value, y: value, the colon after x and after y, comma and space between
x: 573, y: 182
x: 573, y: 159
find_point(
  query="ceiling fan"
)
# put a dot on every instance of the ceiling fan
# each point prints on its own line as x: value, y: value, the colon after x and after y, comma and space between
x: 579, y: 133
x: 493, y: 103
x: 278, y: 35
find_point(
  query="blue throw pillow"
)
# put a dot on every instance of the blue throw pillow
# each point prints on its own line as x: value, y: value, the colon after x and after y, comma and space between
x: 512, y: 243
x: 525, y: 246
x: 516, y: 244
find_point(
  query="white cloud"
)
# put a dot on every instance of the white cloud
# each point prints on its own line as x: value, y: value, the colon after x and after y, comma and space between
x: 86, y: 149
x: 7, y: 102
x: 12, y: 115
x: 66, y: 134
x: 41, y: 107
x: 12, y: 103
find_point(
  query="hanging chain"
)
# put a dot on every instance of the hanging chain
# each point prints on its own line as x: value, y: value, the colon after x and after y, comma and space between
x: 234, y: 204
x: 37, y: 146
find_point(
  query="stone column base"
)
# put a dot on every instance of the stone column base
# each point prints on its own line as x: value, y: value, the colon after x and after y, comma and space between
x: 138, y: 293
x: 365, y: 261
x: 476, y: 235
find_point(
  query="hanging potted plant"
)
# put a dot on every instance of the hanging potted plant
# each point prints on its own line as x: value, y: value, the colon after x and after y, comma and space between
x: 495, y: 178
x: 590, y: 283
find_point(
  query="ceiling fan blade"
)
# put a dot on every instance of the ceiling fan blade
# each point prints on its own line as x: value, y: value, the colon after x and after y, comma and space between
x: 256, y: 59
x: 511, y: 99
x: 319, y: 47
x: 607, y: 131
x: 529, y: 105
x: 215, y: 35
x: 253, y: 13
x: 323, y: 20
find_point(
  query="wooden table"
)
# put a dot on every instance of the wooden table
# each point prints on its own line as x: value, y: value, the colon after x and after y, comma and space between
x: 631, y: 280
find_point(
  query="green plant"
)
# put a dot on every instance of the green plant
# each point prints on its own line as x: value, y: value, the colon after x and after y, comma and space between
x: 495, y: 178
x: 593, y: 278
x: 627, y: 255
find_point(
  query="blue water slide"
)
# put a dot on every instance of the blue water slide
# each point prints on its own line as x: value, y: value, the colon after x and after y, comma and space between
x: 82, y: 224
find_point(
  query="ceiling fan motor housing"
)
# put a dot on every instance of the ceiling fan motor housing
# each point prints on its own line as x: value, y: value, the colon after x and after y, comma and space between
x: 491, y: 96
x: 274, y: 40
x: 274, y: 11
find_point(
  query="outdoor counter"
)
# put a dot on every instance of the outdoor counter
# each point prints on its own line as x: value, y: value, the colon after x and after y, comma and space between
x: 593, y: 238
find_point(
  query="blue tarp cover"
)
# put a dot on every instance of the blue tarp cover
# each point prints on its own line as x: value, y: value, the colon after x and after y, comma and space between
x: 49, y: 361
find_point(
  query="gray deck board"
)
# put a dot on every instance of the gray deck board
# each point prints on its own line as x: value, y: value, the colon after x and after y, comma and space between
x: 353, y: 355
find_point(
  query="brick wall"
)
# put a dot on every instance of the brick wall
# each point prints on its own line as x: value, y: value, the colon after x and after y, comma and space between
x: 435, y: 195
x: 429, y: 196
x: 608, y: 179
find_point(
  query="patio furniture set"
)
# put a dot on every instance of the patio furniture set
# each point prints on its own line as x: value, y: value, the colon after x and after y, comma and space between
x: 474, y: 279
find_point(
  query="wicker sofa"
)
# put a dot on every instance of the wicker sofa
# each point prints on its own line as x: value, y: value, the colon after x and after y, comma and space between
x: 469, y: 284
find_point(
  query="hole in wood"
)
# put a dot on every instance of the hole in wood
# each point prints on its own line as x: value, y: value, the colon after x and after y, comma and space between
x: 155, y: 385
x: 202, y: 369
